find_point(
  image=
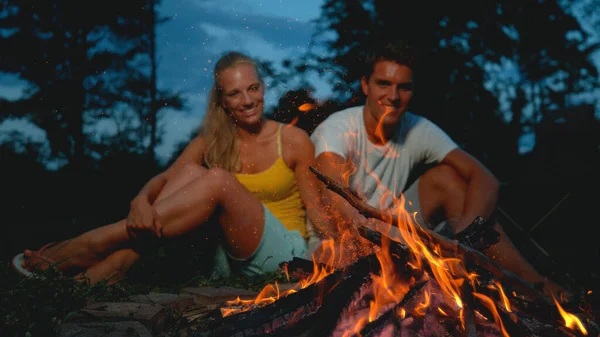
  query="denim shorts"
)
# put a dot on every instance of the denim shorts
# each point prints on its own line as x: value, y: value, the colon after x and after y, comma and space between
x: 277, y: 245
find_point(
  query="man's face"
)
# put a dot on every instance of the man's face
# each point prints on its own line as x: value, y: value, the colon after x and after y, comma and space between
x: 388, y: 91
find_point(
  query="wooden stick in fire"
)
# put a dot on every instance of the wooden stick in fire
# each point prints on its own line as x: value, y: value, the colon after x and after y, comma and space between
x: 449, y: 246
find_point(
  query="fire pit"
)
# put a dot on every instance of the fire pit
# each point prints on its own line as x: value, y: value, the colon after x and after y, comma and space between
x: 415, y: 284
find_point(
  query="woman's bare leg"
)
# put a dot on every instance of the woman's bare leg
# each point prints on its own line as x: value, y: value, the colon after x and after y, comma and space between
x: 112, y: 269
x: 239, y: 212
x: 91, y: 247
x: 78, y: 252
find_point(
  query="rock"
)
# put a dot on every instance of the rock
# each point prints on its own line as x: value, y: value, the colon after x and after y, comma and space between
x: 176, y: 302
x: 105, y: 329
x: 152, y: 316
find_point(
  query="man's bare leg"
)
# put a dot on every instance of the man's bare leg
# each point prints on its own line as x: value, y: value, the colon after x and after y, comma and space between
x: 443, y: 189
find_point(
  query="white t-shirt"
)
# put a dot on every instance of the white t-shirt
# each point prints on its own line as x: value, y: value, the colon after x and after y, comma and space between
x: 418, y: 141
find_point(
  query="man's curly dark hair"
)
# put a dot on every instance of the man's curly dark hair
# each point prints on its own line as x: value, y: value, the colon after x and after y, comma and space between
x: 396, y: 51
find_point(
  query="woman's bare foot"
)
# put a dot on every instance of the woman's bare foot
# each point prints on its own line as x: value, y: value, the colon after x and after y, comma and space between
x: 63, y: 256
x: 112, y: 269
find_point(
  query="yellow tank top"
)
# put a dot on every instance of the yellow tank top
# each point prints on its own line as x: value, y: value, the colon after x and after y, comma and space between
x: 277, y: 189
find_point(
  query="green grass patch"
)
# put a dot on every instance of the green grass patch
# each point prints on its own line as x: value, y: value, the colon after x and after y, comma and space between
x: 39, y: 305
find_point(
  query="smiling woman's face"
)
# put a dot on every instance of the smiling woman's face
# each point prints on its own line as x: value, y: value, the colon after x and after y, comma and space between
x: 243, y: 93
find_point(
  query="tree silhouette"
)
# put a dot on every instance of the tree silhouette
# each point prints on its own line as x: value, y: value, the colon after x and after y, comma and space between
x: 158, y: 99
x: 83, y: 63
x: 486, y: 75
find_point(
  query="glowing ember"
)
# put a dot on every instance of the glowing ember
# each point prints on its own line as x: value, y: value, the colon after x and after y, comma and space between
x: 293, y: 122
x: 307, y: 107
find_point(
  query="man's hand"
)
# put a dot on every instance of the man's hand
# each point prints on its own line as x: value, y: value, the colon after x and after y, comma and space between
x: 142, y: 218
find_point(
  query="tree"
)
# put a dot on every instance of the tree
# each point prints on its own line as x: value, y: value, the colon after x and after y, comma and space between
x: 84, y: 63
x: 471, y: 62
x: 158, y: 99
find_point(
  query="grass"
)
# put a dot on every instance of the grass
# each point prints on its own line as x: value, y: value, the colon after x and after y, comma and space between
x: 39, y: 305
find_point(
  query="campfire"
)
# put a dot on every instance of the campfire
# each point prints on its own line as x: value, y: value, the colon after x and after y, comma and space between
x: 416, y: 283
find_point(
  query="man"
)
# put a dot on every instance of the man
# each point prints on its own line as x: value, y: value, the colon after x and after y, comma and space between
x: 375, y: 148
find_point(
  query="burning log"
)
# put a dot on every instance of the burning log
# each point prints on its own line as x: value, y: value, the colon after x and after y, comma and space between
x: 318, y: 310
x: 422, y: 312
x: 546, y: 316
x: 296, y: 313
x: 375, y: 327
x: 468, y: 311
x: 472, y: 258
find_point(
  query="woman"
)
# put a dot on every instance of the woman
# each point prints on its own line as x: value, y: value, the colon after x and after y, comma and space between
x: 255, y: 182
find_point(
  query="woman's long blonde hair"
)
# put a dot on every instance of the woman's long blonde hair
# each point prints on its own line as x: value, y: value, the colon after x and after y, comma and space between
x: 218, y: 130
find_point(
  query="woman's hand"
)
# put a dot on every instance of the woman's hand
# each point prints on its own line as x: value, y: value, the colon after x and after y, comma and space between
x: 142, y: 218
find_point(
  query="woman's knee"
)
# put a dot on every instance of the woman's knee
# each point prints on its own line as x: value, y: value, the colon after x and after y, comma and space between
x: 189, y: 172
x: 220, y: 181
x: 186, y: 174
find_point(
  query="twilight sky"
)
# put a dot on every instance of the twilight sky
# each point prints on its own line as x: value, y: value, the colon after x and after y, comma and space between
x: 198, y: 32
x: 201, y: 30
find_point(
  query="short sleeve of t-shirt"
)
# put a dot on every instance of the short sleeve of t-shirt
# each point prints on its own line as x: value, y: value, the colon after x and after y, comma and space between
x: 332, y: 135
x: 430, y: 142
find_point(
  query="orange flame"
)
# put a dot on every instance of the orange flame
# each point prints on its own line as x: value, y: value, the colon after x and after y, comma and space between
x: 293, y: 122
x: 461, y: 317
x: 386, y: 288
x: 379, y: 132
x: 441, y: 268
x: 505, y: 300
x: 570, y: 320
x: 307, y: 107
x: 489, y: 303
x: 420, y: 309
x: 271, y: 293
